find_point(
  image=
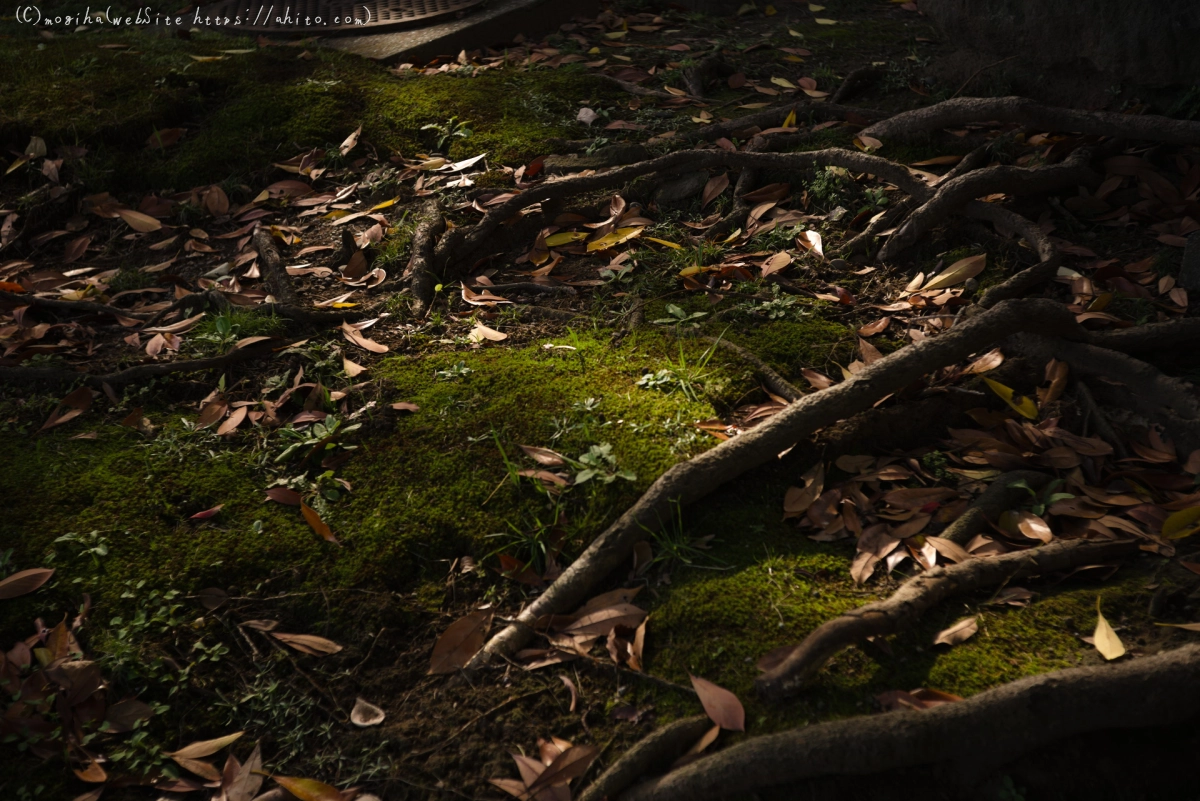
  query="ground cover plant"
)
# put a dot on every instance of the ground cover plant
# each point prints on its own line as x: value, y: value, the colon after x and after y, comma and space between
x: 369, y: 428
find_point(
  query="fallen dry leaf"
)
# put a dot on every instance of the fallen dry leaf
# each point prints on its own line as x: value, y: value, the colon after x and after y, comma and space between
x: 1105, y: 639
x: 318, y: 525
x: 458, y: 643
x: 961, y: 631
x: 205, y: 748
x: 308, y: 789
x: 24, y: 582
x: 721, y: 706
x: 69, y: 408
x: 366, y: 714
x: 308, y: 643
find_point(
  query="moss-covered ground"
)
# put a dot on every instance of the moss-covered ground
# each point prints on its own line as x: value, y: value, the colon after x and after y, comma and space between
x: 424, y: 492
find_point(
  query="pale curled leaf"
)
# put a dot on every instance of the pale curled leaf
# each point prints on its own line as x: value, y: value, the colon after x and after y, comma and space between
x: 721, y: 706
x: 961, y: 631
x: 366, y: 714
x: 205, y: 748
x: 1105, y: 639
x: 308, y: 643
x: 24, y: 582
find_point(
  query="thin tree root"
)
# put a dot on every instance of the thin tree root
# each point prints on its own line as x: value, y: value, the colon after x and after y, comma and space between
x: 132, y: 374
x: 689, y: 481
x: 271, y: 263
x: 654, y: 753
x: 70, y: 306
x: 952, y: 195
x: 1162, y: 399
x: 774, y: 381
x: 994, y: 500
x: 967, y: 739
x: 1098, y: 419
x: 962, y: 110
x: 920, y: 594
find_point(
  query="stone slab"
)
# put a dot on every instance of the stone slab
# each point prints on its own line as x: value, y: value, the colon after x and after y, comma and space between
x: 493, y: 24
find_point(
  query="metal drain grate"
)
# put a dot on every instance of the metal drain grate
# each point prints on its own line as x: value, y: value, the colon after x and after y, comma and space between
x: 317, y: 17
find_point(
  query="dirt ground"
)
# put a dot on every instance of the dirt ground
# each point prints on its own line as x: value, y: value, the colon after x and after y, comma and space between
x: 185, y: 531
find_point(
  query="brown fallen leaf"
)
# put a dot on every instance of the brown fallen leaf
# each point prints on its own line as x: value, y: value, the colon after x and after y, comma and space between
x: 570, y: 764
x: 211, y: 413
x: 712, y: 190
x: 288, y: 497
x: 354, y: 336
x: 708, y: 738
x: 69, y: 408
x: 366, y: 714
x: 458, y: 643
x: 206, y: 770
x: 318, y: 525
x: 308, y: 789
x: 603, y: 621
x: 961, y: 631
x: 817, y: 380
x: 721, y: 706
x: 24, y: 582
x: 244, y: 783
x: 797, y: 500
x: 308, y: 643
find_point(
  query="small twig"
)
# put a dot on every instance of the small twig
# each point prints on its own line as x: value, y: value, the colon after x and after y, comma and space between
x: 977, y: 72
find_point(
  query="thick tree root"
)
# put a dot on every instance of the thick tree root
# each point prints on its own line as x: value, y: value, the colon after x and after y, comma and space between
x: 420, y: 273
x: 994, y: 500
x: 969, y: 738
x: 921, y: 593
x: 952, y: 195
x: 654, y: 753
x: 132, y: 374
x: 1029, y: 113
x: 854, y: 82
x: 774, y: 117
x: 689, y: 481
x: 69, y: 306
x: 1164, y: 400
x: 774, y: 381
x: 1152, y: 336
x: 271, y: 265
x: 460, y: 244
x: 697, y: 77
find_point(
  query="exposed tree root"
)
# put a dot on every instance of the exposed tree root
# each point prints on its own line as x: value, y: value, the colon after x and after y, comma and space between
x: 697, y: 77
x: 1152, y: 336
x: 1164, y: 400
x: 1099, y: 421
x: 654, y: 753
x: 920, y: 594
x: 969, y: 738
x: 962, y: 110
x: 634, y: 89
x: 459, y: 244
x: 1048, y: 256
x: 853, y: 83
x: 774, y: 381
x: 952, y: 195
x: 70, y: 306
x: 420, y: 273
x: 275, y: 277
x: 994, y: 500
x: 132, y: 374
x: 689, y: 481
x: 774, y: 117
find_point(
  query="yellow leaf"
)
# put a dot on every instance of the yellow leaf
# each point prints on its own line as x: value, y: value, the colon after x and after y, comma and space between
x: 770, y: 11
x: 1105, y: 639
x: 795, y: 33
x: 15, y: 165
x: 822, y: 21
x: 665, y: 242
x: 793, y: 59
x: 203, y: 59
x: 615, y: 34
x: 693, y: 270
x: 344, y: 305
x: 1020, y: 404
x: 205, y: 747
x: 385, y: 204
x: 308, y: 789
x: 617, y: 237
x: 784, y: 82
x: 554, y: 240
x: 790, y: 121
x: 813, y: 7
x: 958, y: 272
x: 1183, y: 523
x: 732, y: 237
